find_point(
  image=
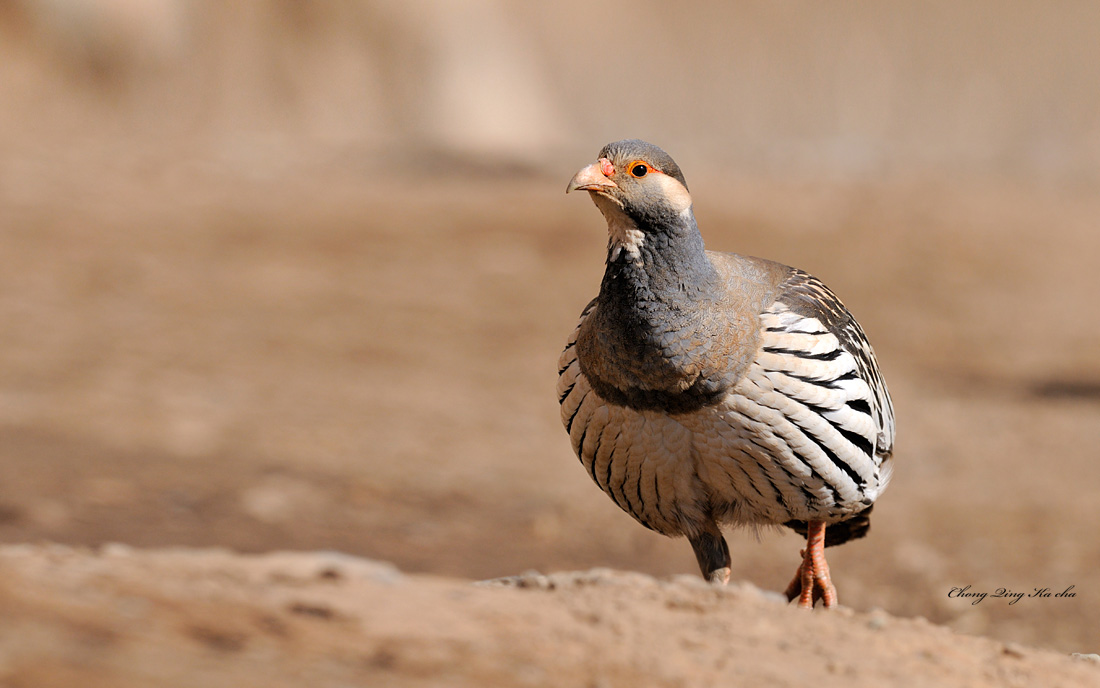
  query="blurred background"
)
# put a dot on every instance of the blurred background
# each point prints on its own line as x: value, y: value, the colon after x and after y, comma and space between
x: 285, y: 275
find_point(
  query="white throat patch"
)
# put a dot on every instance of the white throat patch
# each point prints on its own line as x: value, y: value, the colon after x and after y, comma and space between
x: 623, y: 233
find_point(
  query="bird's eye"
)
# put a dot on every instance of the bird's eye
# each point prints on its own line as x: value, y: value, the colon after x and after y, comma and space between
x: 639, y: 169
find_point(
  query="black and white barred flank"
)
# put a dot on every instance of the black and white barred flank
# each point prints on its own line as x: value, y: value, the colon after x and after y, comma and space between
x: 805, y: 433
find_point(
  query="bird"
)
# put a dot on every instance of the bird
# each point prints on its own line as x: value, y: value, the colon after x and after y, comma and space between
x: 703, y: 389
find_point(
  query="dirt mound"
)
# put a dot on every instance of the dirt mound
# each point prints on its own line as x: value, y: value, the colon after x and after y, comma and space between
x: 181, y: 617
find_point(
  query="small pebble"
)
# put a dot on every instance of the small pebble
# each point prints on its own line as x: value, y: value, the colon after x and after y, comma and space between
x: 877, y: 620
x: 534, y: 579
x: 1095, y: 658
x: 116, y: 549
x: 527, y: 579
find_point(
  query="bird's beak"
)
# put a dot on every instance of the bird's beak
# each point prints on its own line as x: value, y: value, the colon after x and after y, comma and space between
x: 592, y: 178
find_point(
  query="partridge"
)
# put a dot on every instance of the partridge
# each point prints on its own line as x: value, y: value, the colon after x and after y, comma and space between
x: 702, y: 389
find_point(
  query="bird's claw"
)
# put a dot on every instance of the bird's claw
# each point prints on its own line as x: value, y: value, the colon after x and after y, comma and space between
x: 812, y: 582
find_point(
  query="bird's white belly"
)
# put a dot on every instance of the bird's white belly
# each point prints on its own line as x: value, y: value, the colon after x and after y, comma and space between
x: 672, y: 472
x: 641, y: 459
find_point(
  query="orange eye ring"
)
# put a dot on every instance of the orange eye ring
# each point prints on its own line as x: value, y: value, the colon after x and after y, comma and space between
x: 639, y: 169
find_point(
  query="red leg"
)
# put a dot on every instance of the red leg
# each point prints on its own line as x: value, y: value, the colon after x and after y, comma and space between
x: 795, y: 586
x: 811, y: 582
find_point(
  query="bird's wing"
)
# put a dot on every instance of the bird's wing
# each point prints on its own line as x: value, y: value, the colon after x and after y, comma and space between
x: 797, y: 326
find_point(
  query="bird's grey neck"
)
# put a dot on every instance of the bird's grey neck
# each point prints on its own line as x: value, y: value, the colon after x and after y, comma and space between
x: 650, y: 263
x: 635, y: 350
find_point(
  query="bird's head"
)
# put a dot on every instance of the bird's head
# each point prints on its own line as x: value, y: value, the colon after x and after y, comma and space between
x: 637, y: 187
x: 637, y: 178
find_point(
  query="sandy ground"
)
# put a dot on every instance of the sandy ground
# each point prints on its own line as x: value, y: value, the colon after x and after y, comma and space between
x: 349, y: 363
x: 126, y: 617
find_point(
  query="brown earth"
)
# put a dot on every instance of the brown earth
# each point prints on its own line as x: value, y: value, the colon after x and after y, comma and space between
x: 127, y: 617
x: 344, y: 362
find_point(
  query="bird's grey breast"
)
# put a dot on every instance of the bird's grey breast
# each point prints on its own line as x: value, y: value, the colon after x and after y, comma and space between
x: 680, y: 352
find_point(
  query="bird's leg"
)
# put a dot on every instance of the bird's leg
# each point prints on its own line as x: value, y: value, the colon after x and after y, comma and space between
x: 712, y: 553
x: 811, y: 582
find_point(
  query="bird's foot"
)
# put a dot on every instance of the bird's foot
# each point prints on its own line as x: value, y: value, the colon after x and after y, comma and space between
x: 812, y: 582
